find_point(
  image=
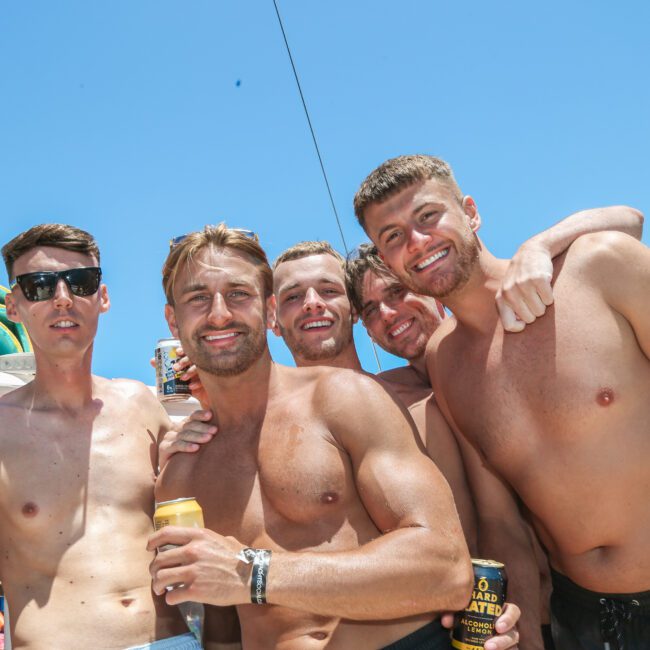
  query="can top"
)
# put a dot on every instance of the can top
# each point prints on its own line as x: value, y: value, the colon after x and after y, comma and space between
x: 159, y: 504
x: 493, y: 564
x: 176, y: 342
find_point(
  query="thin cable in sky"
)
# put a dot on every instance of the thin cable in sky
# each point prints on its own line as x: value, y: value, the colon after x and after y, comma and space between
x: 311, y: 128
x: 320, y: 159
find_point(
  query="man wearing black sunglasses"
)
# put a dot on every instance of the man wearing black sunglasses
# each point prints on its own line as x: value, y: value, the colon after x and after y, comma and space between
x: 77, y: 459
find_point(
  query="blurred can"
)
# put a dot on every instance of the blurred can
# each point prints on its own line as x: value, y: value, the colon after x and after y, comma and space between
x: 169, y: 385
x: 178, y: 512
x: 183, y: 512
x: 475, y: 625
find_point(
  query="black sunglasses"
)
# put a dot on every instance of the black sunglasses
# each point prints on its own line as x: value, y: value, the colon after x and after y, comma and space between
x: 41, y: 285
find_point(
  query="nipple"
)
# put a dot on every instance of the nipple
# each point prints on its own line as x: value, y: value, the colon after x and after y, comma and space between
x: 605, y: 396
x: 30, y: 509
x: 329, y: 497
x: 127, y: 601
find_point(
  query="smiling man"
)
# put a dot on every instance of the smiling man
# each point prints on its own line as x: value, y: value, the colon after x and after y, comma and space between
x: 313, y: 311
x: 77, y: 458
x: 360, y: 554
x: 541, y: 409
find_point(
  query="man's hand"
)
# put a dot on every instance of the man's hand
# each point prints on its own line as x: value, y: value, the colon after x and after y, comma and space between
x: 203, y: 568
x: 505, y: 626
x: 187, y: 437
x: 190, y: 374
x: 526, y: 288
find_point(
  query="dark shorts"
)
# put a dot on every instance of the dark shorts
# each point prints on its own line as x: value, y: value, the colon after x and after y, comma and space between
x: 430, y: 637
x: 586, y: 620
x: 547, y: 637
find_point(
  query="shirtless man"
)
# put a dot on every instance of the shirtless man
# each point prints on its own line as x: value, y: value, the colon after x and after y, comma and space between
x: 351, y: 538
x: 541, y: 411
x: 78, y: 454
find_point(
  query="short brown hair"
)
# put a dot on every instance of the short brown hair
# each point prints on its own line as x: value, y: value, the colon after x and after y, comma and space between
x: 398, y: 173
x: 57, y: 235
x: 365, y: 258
x: 219, y: 237
x: 307, y: 249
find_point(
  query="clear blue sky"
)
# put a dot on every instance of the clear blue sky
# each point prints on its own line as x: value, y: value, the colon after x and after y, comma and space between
x: 140, y: 120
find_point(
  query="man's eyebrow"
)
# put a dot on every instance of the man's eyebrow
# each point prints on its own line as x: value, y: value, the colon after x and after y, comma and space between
x: 321, y: 280
x: 365, y: 305
x: 201, y: 286
x: 241, y: 283
x: 194, y: 287
x: 289, y: 287
x: 426, y: 204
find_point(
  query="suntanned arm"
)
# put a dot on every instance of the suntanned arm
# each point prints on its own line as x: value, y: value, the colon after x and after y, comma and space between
x: 442, y: 448
x: 503, y: 536
x: 419, y: 564
x: 526, y: 288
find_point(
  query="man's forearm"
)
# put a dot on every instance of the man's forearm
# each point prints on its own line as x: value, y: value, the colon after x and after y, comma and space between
x: 402, y: 573
x: 560, y: 236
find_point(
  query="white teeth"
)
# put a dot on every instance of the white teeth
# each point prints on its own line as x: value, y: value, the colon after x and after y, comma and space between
x: 432, y: 259
x: 402, y: 328
x: 317, y: 323
x: 64, y: 323
x: 219, y: 337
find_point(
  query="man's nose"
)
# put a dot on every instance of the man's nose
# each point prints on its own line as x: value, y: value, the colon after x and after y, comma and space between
x: 313, y: 301
x: 417, y: 240
x: 219, y: 314
x: 386, y: 312
x: 62, y: 295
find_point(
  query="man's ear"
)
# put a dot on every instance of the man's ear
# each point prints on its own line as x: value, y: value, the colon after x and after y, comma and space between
x: 470, y: 209
x: 105, y: 301
x: 271, y: 314
x: 383, y: 259
x: 12, y: 310
x: 170, y: 317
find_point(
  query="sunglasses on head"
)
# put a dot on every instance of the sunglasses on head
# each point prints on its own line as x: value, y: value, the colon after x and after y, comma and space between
x: 41, y: 285
x: 175, y: 241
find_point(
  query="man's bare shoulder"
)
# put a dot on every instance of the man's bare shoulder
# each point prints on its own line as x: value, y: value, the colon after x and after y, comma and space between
x: 127, y: 391
x: 596, y: 255
x: 443, y: 331
x: 17, y: 398
x: 405, y: 375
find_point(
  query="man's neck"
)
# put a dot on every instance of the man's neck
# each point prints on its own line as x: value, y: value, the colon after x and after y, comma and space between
x: 347, y: 358
x: 419, y: 367
x: 63, y: 383
x: 240, y: 397
x: 474, y: 305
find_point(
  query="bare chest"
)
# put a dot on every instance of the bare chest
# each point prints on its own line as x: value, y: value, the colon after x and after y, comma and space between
x: 291, y: 482
x: 53, y: 471
x: 567, y: 380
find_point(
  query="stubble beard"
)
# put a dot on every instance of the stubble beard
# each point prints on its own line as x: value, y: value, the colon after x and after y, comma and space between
x: 444, y: 284
x: 229, y: 363
x: 323, y: 351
